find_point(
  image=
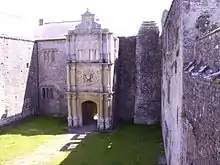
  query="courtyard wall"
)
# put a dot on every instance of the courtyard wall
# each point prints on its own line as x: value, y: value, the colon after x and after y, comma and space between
x: 201, y: 108
x: 18, y: 79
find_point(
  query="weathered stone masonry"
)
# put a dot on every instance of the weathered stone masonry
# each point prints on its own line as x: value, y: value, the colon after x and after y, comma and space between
x: 148, y: 75
x: 126, y: 78
x: 18, y: 79
x: 171, y: 92
x: 52, y: 78
x: 189, y: 103
x: 201, y: 108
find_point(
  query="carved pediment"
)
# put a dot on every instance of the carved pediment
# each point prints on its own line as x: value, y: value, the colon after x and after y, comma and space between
x: 88, y: 24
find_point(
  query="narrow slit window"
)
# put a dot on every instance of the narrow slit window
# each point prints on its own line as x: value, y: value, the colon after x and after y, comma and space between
x: 53, y: 56
x: 43, y: 93
x: 47, y: 89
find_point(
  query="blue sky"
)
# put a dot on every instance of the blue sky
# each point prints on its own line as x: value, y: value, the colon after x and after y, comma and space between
x: 123, y: 17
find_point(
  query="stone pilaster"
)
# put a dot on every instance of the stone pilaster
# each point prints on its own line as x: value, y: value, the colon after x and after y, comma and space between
x: 100, y: 122
x: 79, y: 112
x: 68, y: 77
x: 70, y: 119
x: 68, y: 47
x: 73, y: 46
x: 106, y: 112
x: 100, y: 48
x: 73, y: 77
x: 74, y: 110
x: 109, y: 48
x: 105, y: 75
x: 105, y: 47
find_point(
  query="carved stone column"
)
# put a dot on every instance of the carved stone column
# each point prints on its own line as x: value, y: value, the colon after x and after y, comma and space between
x: 100, y: 122
x: 79, y: 113
x: 68, y: 77
x: 110, y: 99
x: 70, y: 119
x: 73, y: 77
x: 105, y: 47
x: 68, y: 47
x: 74, y: 110
x: 106, y: 113
x: 105, y: 77
x: 100, y: 48
x: 109, y: 48
x: 73, y: 48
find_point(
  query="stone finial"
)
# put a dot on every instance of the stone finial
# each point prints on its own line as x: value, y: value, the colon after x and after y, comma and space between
x: 87, y: 12
x: 41, y: 22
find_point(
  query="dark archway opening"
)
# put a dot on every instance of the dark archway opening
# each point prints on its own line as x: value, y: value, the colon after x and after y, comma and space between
x: 89, y: 112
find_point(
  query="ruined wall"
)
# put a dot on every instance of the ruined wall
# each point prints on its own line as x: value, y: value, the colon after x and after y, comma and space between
x: 201, y: 108
x: 18, y: 79
x: 125, y: 94
x: 148, y: 75
x: 52, y: 77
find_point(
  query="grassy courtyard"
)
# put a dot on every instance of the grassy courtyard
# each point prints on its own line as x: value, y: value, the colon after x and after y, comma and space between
x: 25, y: 137
x: 129, y: 145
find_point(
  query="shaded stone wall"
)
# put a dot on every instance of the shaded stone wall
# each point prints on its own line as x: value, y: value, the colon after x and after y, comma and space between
x: 185, y: 23
x: 198, y: 19
x: 148, y: 75
x: 202, y: 114
x: 172, y: 66
x: 52, y: 77
x: 18, y: 79
x: 125, y: 94
x: 201, y: 104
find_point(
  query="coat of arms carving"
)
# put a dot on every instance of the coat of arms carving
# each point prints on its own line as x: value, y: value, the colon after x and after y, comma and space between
x: 87, y: 78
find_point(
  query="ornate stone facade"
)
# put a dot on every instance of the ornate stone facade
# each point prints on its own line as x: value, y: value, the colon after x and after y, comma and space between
x: 91, y: 52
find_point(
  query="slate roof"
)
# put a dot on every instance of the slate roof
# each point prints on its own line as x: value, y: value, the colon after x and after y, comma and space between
x: 54, y: 30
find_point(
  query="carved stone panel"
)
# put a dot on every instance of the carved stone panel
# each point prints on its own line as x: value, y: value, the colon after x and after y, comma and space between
x: 89, y: 75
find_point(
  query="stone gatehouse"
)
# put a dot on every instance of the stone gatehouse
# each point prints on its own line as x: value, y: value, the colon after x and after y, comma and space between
x: 86, y: 54
x: 91, y: 53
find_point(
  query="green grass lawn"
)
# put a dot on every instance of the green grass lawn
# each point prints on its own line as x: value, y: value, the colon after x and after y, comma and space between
x: 129, y: 145
x: 27, y: 136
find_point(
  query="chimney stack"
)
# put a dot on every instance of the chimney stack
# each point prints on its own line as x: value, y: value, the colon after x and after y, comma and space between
x: 41, y: 22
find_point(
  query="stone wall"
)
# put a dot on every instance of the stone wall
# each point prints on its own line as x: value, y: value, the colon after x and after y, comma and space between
x: 52, y: 77
x: 171, y: 94
x: 18, y: 79
x: 125, y: 92
x: 198, y: 17
x: 201, y: 101
x: 185, y: 23
x: 202, y: 115
x: 148, y: 75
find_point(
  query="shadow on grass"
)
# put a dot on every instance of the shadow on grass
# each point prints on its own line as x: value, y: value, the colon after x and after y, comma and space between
x: 36, y: 126
x: 129, y: 145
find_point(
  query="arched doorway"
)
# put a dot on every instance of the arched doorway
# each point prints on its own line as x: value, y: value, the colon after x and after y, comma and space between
x: 89, y: 112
